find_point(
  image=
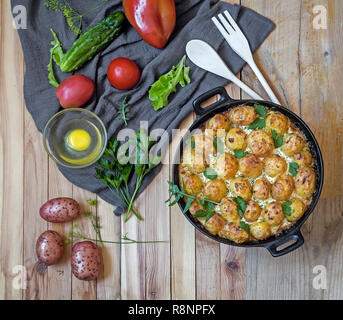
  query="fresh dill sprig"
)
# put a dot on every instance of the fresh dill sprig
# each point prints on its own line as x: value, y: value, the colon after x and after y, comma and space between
x: 123, y: 110
x: 93, y: 219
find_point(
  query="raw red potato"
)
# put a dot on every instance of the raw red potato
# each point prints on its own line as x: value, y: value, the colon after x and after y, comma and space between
x: 49, y: 247
x: 75, y: 91
x: 85, y: 260
x: 123, y: 74
x: 60, y: 210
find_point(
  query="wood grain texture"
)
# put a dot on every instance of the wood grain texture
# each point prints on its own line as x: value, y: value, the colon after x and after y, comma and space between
x: 11, y: 154
x: 304, y: 67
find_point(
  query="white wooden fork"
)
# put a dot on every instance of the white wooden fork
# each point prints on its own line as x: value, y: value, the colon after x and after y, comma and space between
x: 239, y: 43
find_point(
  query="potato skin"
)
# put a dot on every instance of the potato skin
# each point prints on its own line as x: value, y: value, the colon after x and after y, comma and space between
x: 226, y: 166
x: 60, y: 210
x: 192, y: 183
x: 275, y: 165
x: 217, y: 123
x: 283, y: 187
x: 252, y: 211
x: 261, y: 143
x: 194, y: 160
x: 229, y: 209
x: 241, y: 187
x: 260, y: 230
x: 298, y: 208
x: 203, y: 142
x: 261, y: 189
x: 85, y: 260
x: 243, y: 115
x: 215, y: 224
x: 215, y: 190
x: 292, y: 144
x: 272, y: 213
x: 305, y: 182
x: 251, y: 166
x: 236, y: 139
x: 49, y: 247
x: 234, y: 232
x: 303, y: 158
x: 195, y: 207
x: 277, y: 122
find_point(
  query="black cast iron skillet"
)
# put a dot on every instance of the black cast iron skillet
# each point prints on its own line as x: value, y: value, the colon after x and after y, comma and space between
x: 292, y: 234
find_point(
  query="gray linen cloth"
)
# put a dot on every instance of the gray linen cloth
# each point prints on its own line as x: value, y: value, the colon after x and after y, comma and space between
x: 193, y: 22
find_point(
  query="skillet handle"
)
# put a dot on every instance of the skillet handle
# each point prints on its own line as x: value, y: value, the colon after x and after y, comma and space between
x: 278, y: 253
x: 224, y: 97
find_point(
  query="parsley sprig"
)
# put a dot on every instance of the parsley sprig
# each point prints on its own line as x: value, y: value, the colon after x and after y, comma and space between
x: 286, y: 208
x: 278, y: 140
x: 260, y: 122
x: 241, y: 205
x: 293, y: 168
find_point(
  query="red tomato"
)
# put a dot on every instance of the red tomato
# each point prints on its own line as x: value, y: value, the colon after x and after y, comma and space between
x: 75, y: 91
x: 123, y: 73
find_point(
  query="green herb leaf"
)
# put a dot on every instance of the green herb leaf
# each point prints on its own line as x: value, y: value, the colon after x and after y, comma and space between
x: 259, y: 123
x: 124, y: 109
x: 241, y: 205
x: 244, y: 226
x: 293, y: 168
x: 167, y: 83
x: 286, y: 208
x: 200, y: 214
x: 261, y: 110
x: 209, y: 215
x: 239, y: 154
x: 210, y: 173
x: 278, y: 140
x: 219, y: 145
x: 193, y: 144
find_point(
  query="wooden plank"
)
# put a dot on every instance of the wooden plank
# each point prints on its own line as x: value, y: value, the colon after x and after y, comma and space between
x: 35, y: 194
x: 59, y: 275
x: 182, y: 237
x: 11, y: 155
x: 321, y: 64
x: 278, y: 59
x: 108, y: 284
x: 83, y: 290
x: 157, y: 228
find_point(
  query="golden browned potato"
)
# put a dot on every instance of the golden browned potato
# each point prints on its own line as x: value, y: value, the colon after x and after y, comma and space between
x: 195, y: 207
x: 236, y: 139
x: 252, y: 211
x: 260, y: 230
x: 305, y: 182
x: 292, y: 144
x: 203, y: 143
x: 220, y: 122
x: 229, y: 209
x: 196, y: 162
x: 261, y: 189
x: 277, y: 122
x: 261, y: 143
x: 251, y: 166
x: 234, y: 232
x: 303, y: 158
x: 241, y: 187
x: 215, y: 223
x: 215, y: 190
x: 243, y: 115
x: 298, y: 208
x: 192, y: 183
x: 283, y: 187
x: 226, y: 166
x: 272, y: 213
x: 275, y: 165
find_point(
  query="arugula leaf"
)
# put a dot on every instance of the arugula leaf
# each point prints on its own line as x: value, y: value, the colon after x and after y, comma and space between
x: 239, y: 153
x: 261, y: 110
x: 241, y: 205
x: 210, y: 173
x: 259, y: 123
x: 278, y: 140
x: 286, y: 208
x: 293, y: 168
x: 244, y: 226
x: 167, y: 83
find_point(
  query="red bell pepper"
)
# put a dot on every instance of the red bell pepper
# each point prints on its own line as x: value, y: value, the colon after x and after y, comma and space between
x: 154, y: 20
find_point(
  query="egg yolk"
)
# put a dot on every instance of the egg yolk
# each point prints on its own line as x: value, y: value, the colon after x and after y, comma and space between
x: 79, y: 140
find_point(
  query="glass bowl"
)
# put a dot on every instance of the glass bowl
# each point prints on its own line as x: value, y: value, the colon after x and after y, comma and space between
x: 58, y: 129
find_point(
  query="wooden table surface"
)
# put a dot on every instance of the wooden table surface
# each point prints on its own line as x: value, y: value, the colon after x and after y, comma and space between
x: 304, y: 66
